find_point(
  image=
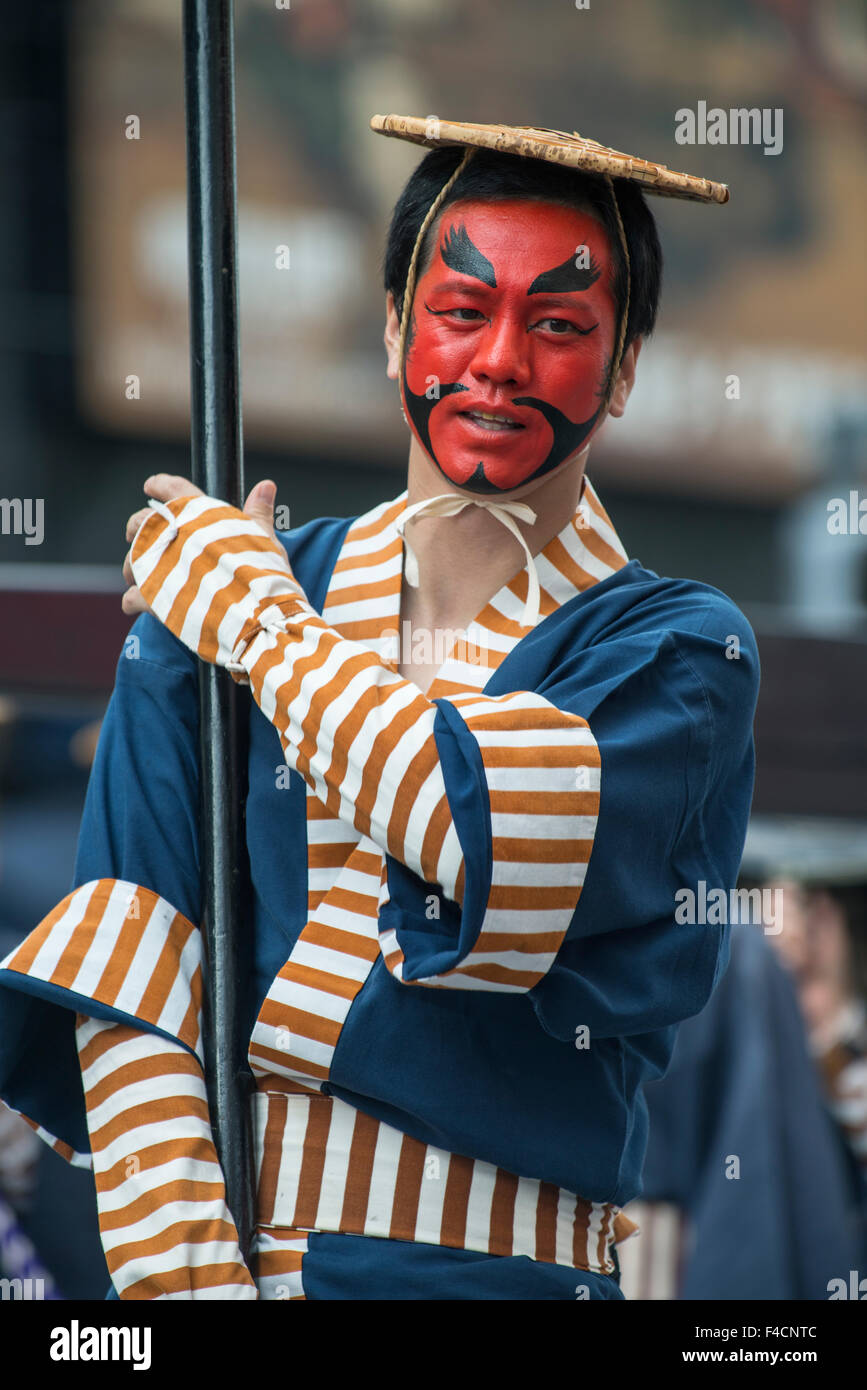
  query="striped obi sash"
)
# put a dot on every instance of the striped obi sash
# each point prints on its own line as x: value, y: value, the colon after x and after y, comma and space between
x: 322, y: 1165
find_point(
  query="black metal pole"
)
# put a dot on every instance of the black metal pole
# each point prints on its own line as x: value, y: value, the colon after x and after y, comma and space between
x: 215, y: 415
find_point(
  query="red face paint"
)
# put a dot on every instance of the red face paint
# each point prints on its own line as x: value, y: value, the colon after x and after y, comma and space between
x: 514, y: 317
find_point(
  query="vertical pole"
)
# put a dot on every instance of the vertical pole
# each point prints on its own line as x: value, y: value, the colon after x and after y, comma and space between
x: 217, y: 467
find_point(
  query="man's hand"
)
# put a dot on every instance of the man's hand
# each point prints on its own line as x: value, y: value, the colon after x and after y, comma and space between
x: 165, y: 488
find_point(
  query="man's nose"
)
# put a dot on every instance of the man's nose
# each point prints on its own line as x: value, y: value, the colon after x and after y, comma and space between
x: 502, y: 352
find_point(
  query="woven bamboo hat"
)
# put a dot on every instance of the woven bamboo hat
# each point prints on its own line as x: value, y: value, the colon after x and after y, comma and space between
x: 558, y: 147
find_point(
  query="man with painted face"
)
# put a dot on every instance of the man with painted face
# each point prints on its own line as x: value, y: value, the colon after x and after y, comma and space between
x: 510, y: 353
x: 491, y: 329
x: 465, y: 861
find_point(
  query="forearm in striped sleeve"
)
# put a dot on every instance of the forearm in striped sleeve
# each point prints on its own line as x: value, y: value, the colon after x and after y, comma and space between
x: 165, y: 1227
x: 368, y: 743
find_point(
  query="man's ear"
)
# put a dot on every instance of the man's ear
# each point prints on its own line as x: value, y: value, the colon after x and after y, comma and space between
x: 391, y: 337
x: 626, y: 379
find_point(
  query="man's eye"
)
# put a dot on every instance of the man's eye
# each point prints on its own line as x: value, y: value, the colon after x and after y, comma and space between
x: 475, y: 314
x: 563, y: 327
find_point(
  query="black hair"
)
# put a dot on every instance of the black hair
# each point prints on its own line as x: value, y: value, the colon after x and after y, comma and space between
x: 490, y: 175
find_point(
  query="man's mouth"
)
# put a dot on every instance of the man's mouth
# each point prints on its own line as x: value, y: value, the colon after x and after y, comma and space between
x: 490, y: 421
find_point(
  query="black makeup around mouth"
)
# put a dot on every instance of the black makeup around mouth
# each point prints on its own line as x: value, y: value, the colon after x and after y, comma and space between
x: 568, y: 435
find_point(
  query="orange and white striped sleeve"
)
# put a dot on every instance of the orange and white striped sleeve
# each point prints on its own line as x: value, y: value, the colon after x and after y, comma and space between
x: 165, y: 1227
x: 492, y: 799
x: 126, y: 965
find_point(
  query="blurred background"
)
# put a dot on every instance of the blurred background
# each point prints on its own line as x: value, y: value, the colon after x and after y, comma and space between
x: 740, y: 461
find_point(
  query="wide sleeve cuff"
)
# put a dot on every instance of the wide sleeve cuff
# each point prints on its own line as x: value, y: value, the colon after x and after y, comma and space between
x: 112, y: 950
x: 523, y: 785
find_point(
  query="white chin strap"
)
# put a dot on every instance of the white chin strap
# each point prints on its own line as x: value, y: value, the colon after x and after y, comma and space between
x: 447, y: 504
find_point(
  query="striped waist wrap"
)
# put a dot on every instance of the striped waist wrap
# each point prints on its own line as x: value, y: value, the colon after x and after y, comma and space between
x: 322, y: 1165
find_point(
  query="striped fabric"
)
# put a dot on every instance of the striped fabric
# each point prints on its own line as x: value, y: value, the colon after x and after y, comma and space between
x: 300, y: 1021
x: 325, y: 1166
x: 542, y: 772
x: 165, y: 1227
x: 126, y: 947
x: 279, y: 1257
x: 66, y: 1151
x: 363, y: 738
x: 210, y: 598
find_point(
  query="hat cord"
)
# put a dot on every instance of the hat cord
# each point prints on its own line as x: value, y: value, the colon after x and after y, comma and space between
x: 409, y: 289
x: 617, y: 358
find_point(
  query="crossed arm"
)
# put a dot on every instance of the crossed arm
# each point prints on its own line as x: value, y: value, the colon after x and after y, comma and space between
x: 493, y: 800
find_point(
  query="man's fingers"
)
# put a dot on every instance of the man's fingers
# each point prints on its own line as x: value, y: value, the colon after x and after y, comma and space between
x: 260, y: 504
x: 133, y: 602
x: 136, y: 520
x: 165, y: 487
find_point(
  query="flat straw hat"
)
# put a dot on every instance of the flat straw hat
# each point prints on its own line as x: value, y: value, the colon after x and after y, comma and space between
x: 558, y: 147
